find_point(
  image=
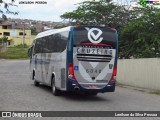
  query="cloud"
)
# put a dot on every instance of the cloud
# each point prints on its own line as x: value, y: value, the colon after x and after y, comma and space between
x: 47, y: 12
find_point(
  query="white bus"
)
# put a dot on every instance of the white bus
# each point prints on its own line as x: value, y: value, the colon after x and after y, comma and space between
x: 75, y: 59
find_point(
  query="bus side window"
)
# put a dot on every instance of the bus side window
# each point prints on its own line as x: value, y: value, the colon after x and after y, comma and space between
x: 64, y: 39
x: 38, y: 46
x: 50, y: 43
x: 57, y: 44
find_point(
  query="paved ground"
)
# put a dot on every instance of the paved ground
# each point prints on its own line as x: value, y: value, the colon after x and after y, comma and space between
x: 18, y: 93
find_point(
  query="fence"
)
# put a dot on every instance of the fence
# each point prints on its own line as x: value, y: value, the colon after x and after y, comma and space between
x: 144, y: 73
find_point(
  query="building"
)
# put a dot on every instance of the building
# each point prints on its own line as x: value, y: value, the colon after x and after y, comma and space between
x: 14, y: 28
x: 15, y: 36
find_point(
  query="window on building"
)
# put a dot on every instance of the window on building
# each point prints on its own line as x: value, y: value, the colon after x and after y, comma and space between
x: 6, y: 33
x: 9, y: 43
x: 21, y: 33
x: 0, y: 33
x: 4, y: 27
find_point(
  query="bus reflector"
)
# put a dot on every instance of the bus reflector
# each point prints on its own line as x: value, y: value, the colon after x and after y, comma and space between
x: 71, y: 72
x: 114, y: 74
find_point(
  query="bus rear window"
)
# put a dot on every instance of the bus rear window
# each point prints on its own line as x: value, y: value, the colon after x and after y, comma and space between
x: 94, y: 35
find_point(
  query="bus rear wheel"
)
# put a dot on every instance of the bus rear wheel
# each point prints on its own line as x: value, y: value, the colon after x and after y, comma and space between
x: 55, y: 91
x: 35, y: 82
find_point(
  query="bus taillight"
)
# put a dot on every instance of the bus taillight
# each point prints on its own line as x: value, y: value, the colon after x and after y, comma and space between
x: 76, y: 26
x: 114, y: 74
x: 71, y: 72
x: 113, y: 29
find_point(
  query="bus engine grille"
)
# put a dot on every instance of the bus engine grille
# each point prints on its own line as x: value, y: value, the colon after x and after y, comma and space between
x: 94, y: 58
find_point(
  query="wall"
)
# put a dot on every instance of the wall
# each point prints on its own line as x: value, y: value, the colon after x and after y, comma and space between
x: 28, y: 40
x: 144, y: 73
x: 15, y: 38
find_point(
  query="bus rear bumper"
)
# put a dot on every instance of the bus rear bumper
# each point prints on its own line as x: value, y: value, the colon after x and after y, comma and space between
x: 74, y: 86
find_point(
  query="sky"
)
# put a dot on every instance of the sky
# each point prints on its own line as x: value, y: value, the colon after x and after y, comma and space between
x: 44, y: 12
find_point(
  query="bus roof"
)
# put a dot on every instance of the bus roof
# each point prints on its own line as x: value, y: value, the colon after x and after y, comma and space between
x: 52, y: 31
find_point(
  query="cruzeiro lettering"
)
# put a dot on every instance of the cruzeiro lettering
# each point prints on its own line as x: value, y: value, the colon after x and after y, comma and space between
x: 94, y: 51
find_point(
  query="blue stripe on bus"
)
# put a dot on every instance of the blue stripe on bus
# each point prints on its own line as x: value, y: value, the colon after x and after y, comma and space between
x: 116, y: 57
x: 70, y: 47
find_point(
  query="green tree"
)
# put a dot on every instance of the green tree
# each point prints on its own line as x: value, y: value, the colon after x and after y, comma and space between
x: 3, y: 40
x: 8, y: 11
x: 102, y: 12
x: 142, y: 36
x: 138, y: 28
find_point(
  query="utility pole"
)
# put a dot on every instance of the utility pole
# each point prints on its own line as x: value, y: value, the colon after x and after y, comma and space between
x: 23, y: 33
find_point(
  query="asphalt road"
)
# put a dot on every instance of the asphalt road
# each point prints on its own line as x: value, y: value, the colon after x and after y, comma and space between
x: 17, y: 93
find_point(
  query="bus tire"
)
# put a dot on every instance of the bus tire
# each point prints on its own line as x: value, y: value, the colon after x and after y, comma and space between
x: 55, y: 91
x: 35, y: 82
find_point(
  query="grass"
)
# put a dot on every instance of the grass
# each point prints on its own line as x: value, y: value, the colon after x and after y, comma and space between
x: 16, y: 52
x: 157, y: 92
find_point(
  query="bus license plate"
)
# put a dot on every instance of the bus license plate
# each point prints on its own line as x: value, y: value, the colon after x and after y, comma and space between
x: 93, y: 70
x: 93, y: 86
